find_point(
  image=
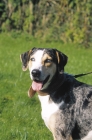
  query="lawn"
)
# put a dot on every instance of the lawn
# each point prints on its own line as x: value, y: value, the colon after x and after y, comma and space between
x: 20, y: 116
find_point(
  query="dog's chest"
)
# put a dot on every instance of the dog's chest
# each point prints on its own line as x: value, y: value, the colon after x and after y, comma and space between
x: 48, y: 108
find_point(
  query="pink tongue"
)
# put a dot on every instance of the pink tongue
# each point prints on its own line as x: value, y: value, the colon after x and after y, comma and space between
x: 36, y: 86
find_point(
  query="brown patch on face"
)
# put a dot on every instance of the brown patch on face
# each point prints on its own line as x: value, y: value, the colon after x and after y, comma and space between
x: 58, y: 58
x: 46, y: 60
x: 29, y: 53
x: 61, y: 59
x: 30, y: 64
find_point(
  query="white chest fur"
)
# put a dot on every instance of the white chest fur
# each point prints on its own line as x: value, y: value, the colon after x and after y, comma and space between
x: 48, y: 108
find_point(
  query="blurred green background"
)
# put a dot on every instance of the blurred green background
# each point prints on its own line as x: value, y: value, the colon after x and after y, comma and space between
x: 50, y: 20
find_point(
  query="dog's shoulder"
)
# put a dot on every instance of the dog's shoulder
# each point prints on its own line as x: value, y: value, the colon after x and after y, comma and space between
x: 73, y: 93
x: 66, y: 90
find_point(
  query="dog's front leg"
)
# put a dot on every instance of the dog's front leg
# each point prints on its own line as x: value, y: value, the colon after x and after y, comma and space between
x: 56, y: 130
x: 70, y: 138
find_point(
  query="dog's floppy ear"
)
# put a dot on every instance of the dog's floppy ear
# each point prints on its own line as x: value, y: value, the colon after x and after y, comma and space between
x: 61, y: 59
x: 24, y: 59
x: 31, y: 92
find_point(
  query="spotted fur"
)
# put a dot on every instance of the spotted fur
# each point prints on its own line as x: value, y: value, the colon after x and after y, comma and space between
x: 66, y: 103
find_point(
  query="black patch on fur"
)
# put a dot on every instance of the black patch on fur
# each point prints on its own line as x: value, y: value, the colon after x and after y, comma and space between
x: 63, y: 60
x: 67, y: 99
x: 61, y: 93
x: 76, y: 132
x: 85, y: 104
x: 34, y: 50
x: 25, y: 58
x: 90, y: 94
x: 52, y: 54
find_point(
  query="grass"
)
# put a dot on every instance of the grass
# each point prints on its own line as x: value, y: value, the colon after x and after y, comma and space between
x: 20, y: 117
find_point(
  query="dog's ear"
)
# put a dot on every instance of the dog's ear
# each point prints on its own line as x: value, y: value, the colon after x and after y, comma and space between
x: 25, y: 59
x: 61, y: 59
x: 31, y: 92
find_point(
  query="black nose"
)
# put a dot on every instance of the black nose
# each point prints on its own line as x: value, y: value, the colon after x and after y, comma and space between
x: 35, y: 73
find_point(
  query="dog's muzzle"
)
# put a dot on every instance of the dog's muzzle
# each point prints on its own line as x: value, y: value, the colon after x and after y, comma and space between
x: 36, y: 73
x: 38, y: 83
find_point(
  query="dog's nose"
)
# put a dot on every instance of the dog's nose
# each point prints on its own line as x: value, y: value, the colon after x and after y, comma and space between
x: 35, y: 73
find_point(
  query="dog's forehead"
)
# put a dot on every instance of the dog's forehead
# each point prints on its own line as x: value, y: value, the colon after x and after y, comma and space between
x: 40, y: 52
x: 50, y: 52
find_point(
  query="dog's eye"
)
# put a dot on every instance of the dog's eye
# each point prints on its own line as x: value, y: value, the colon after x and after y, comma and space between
x: 32, y: 59
x: 48, y: 61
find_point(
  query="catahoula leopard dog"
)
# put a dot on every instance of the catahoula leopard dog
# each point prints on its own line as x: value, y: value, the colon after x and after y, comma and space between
x: 66, y: 103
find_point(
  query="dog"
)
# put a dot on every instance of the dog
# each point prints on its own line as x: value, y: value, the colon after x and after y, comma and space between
x: 66, y: 102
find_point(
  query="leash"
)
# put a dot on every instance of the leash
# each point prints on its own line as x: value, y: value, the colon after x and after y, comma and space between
x: 83, y: 74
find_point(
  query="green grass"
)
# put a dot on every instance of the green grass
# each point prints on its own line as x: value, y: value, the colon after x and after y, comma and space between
x: 20, y: 116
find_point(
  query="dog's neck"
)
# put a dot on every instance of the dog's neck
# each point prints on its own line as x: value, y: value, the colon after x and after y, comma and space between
x: 58, y: 88
x: 55, y: 83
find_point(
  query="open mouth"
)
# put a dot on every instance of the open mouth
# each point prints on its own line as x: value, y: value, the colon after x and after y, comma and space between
x: 46, y: 79
x: 37, y: 85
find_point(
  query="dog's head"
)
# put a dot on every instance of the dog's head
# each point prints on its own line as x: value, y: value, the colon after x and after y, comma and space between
x: 43, y: 65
